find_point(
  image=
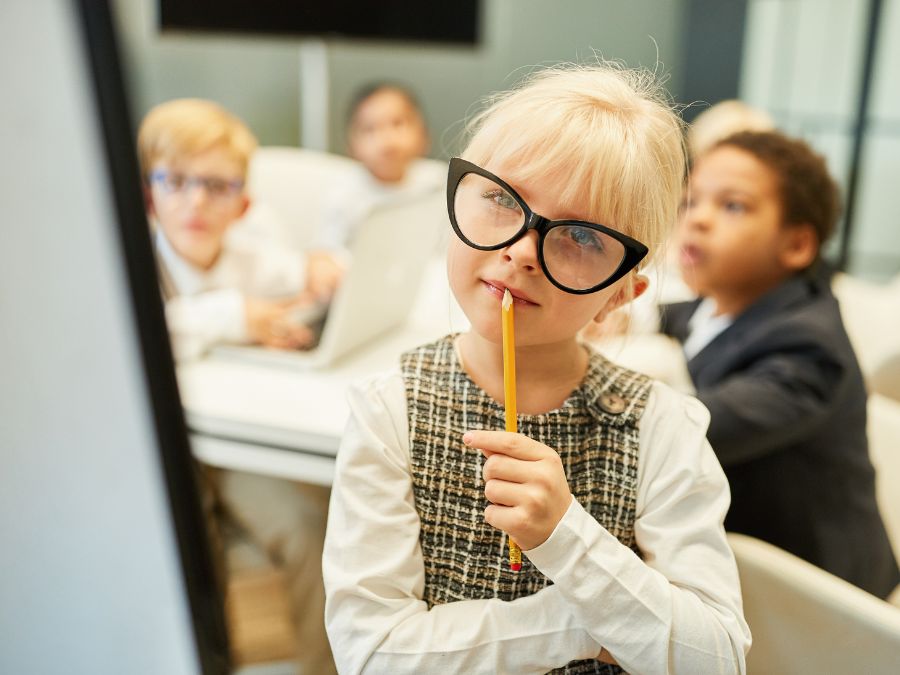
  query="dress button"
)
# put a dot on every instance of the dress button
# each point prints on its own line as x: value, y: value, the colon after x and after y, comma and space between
x: 612, y: 403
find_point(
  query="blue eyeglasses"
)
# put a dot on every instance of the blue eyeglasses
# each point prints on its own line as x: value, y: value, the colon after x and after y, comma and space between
x: 173, y: 182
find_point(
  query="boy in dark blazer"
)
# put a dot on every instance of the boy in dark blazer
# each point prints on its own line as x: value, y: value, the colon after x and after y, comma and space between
x: 769, y: 356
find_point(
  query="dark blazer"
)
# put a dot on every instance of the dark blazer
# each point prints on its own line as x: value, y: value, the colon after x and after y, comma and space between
x: 788, y: 423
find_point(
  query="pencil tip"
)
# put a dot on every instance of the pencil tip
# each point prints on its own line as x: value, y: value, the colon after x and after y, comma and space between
x: 507, y: 299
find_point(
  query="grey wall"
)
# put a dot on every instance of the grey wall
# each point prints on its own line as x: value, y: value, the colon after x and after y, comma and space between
x: 713, y: 34
x: 258, y: 78
x: 517, y: 35
x: 255, y: 78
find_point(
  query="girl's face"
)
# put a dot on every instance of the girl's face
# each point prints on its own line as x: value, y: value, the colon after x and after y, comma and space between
x: 544, y: 314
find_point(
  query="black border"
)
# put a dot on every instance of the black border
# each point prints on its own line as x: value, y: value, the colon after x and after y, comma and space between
x: 204, y: 598
x: 876, y: 11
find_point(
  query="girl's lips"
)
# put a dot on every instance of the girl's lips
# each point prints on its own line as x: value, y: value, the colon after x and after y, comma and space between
x: 497, y: 288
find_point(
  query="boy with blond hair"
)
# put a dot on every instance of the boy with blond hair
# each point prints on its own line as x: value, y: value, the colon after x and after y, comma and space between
x: 194, y: 157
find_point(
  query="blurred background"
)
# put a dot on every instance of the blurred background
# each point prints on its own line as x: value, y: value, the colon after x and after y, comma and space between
x: 822, y: 68
x: 92, y: 555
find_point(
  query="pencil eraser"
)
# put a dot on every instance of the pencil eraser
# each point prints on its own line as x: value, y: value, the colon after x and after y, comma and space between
x: 515, y: 567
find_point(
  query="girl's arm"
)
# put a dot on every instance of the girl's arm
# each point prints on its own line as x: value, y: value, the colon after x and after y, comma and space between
x: 679, y: 608
x: 374, y: 572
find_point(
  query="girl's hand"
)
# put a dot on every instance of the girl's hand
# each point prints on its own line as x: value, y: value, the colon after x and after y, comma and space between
x: 525, y: 482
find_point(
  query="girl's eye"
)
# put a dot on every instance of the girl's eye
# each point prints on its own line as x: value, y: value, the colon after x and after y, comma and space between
x: 585, y: 237
x: 735, y: 207
x: 501, y: 198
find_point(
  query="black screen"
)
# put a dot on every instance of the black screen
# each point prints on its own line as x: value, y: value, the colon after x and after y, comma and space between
x: 455, y: 22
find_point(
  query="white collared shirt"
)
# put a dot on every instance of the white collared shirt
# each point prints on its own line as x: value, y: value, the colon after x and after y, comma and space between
x: 207, y: 306
x: 347, y: 204
x: 704, y: 326
x: 677, y: 610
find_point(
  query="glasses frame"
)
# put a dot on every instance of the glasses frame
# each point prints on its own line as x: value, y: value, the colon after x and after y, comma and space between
x: 159, y: 176
x: 635, y: 251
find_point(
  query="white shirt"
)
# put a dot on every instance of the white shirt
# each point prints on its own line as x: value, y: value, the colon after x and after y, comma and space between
x: 349, y: 202
x: 704, y: 326
x: 679, y: 610
x: 208, y: 305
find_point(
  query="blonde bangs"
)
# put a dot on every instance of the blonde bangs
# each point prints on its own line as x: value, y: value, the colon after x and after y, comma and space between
x: 602, y: 135
x: 187, y: 127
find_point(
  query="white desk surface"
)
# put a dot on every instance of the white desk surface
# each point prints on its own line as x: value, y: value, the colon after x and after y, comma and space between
x: 288, y: 423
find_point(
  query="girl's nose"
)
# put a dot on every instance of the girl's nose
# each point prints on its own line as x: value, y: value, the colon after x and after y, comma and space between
x: 524, y: 252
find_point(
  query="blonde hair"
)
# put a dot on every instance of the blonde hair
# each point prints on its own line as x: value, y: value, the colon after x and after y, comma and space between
x: 722, y: 120
x: 189, y: 126
x: 605, y: 134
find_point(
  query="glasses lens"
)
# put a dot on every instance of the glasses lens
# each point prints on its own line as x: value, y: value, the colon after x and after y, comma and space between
x: 173, y: 182
x: 486, y: 213
x: 579, y: 257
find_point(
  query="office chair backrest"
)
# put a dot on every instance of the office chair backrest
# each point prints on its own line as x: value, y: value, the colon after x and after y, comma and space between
x: 884, y: 449
x: 805, y: 620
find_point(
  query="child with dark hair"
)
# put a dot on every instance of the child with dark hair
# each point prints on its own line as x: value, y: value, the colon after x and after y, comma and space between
x: 770, y: 359
x: 387, y: 134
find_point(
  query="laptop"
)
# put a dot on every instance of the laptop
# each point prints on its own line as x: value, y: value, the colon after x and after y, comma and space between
x: 390, y: 253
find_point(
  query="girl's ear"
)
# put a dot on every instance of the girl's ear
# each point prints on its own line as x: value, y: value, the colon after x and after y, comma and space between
x: 801, y: 246
x: 626, y: 293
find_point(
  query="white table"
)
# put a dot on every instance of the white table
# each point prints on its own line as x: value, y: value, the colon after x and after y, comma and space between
x: 287, y: 422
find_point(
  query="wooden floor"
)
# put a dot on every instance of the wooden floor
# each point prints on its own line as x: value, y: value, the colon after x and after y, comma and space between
x: 258, y: 614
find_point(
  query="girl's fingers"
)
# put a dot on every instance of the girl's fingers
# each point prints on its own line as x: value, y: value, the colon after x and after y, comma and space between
x: 506, y: 518
x: 503, y: 493
x: 504, y: 467
x: 505, y: 442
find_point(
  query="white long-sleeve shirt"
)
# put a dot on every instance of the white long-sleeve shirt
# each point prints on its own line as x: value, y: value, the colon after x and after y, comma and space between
x: 676, y: 611
x: 206, y: 307
x: 347, y: 204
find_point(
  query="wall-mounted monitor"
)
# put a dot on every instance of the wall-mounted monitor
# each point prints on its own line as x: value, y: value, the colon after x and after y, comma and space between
x: 397, y: 20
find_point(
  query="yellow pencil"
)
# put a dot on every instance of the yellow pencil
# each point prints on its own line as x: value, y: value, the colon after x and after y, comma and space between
x: 509, y: 396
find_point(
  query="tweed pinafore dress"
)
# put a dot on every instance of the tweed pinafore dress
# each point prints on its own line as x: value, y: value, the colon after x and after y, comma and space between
x: 595, y: 432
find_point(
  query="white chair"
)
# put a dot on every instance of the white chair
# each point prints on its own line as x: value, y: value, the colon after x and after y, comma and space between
x: 805, y: 620
x: 871, y: 314
x: 288, y: 186
x: 884, y: 451
x: 886, y: 378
